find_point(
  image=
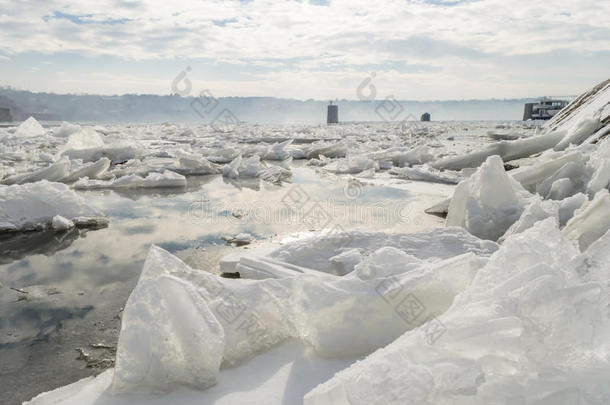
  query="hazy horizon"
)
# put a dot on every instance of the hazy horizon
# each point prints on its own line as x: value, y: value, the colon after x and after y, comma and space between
x: 191, y: 96
x: 158, y: 108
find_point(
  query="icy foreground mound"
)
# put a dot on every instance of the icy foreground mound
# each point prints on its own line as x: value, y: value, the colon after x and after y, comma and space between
x: 532, y: 328
x: 32, y: 206
x: 180, y: 325
x: 527, y: 325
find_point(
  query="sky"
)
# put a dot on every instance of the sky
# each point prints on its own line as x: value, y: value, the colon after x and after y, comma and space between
x: 351, y: 49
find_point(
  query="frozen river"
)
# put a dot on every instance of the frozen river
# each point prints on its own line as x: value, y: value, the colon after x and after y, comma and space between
x: 63, y: 292
x: 77, y: 282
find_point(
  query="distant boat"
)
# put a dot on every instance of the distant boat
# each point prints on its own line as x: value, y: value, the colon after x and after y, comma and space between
x: 544, y: 109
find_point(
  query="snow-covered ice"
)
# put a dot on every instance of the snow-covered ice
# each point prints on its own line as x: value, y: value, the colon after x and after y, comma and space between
x: 33, y: 206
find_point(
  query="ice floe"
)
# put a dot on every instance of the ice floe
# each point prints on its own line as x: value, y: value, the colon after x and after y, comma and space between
x: 34, y: 206
x: 167, y: 179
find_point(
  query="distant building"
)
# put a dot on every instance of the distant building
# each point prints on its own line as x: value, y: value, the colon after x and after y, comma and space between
x: 5, y: 115
x: 544, y: 109
x: 425, y: 117
x: 332, y: 116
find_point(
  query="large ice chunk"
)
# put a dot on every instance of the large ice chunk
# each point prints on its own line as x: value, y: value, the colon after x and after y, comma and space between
x: 591, y: 104
x: 329, y: 311
x: 92, y: 170
x: 570, y: 179
x: 525, y: 313
x: 29, y: 128
x: 568, y: 206
x: 86, y: 138
x: 591, y: 221
x: 243, y: 167
x: 237, y: 319
x: 487, y: 203
x: 534, y: 212
x: 531, y: 176
x: 54, y: 172
x: 599, y: 164
x: 577, y: 135
x: 63, y: 170
x: 278, y: 151
x: 231, y: 170
x: 231, y: 319
x: 508, y: 150
x: 33, y: 206
x: 169, y: 336
x: 192, y: 164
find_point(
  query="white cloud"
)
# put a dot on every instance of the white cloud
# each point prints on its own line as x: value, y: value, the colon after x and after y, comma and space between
x: 301, y: 44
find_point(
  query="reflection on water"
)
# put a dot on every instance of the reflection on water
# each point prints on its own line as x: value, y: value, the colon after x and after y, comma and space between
x: 17, y: 246
x: 37, y: 322
x: 77, y: 283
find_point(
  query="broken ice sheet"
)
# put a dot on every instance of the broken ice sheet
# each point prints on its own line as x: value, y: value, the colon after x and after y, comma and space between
x: 241, y: 318
x: 525, y: 312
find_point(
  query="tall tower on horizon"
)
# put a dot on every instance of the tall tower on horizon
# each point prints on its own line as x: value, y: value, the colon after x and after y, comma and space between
x: 332, y: 115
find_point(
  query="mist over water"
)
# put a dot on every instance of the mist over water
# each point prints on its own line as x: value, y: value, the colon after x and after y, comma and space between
x: 254, y: 110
